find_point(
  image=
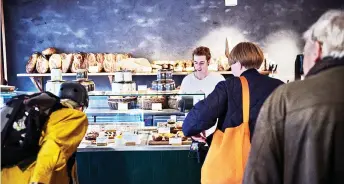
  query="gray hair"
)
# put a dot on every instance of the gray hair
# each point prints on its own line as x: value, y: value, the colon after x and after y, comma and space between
x: 329, y: 32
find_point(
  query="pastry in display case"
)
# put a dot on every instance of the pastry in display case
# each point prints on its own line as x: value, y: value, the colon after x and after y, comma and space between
x: 127, y: 102
x: 130, y: 120
x: 169, y: 130
x: 145, y: 102
x: 173, y: 102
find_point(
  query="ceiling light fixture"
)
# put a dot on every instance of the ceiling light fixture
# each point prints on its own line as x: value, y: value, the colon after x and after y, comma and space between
x: 231, y: 2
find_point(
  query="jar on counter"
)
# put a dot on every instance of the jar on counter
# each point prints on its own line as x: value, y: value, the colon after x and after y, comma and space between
x: 155, y: 85
x: 164, y: 74
x: 161, y: 87
x: 81, y: 74
x: 170, y: 85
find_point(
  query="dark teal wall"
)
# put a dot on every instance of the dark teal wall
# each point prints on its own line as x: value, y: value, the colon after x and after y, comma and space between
x: 155, y: 29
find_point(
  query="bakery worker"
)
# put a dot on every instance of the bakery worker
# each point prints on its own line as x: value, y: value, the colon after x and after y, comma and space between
x: 62, y: 135
x: 201, y: 80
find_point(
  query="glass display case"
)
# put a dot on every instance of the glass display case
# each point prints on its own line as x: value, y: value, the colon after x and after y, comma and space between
x: 137, y: 120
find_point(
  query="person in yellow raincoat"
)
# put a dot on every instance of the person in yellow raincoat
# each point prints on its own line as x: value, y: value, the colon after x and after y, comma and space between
x: 60, y: 138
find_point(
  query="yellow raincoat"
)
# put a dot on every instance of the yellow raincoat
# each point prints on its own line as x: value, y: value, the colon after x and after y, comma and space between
x: 60, y: 138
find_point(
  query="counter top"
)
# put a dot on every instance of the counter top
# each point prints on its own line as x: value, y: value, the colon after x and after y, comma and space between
x: 107, y: 112
x: 94, y: 148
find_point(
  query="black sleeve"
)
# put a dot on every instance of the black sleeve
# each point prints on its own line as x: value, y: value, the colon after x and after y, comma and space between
x: 204, y: 114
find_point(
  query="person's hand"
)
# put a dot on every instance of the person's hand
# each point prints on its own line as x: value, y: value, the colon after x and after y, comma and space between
x: 200, y: 137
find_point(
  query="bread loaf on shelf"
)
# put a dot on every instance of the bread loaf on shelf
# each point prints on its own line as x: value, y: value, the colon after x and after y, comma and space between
x: 109, y: 62
x: 67, y: 60
x: 55, y: 61
x: 100, y: 61
x: 42, y: 65
x: 49, y: 51
x: 78, y: 62
x: 120, y: 57
x: 91, y: 60
x: 140, y: 65
x: 31, y: 63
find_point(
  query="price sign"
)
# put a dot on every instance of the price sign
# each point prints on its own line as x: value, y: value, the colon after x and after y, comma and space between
x: 174, y: 118
x: 156, y: 106
x: 101, y: 141
x: 130, y: 137
x: 164, y: 130
x: 122, y: 106
x: 175, y: 141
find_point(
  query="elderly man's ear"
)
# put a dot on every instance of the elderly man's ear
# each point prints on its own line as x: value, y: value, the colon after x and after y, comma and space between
x: 318, y: 52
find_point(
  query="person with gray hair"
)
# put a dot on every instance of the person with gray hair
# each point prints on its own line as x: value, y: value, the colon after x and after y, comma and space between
x: 300, y: 128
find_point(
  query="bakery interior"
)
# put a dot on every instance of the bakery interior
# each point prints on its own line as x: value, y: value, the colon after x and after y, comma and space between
x: 132, y: 57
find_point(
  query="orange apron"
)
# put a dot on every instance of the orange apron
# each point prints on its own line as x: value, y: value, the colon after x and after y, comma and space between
x: 228, y: 153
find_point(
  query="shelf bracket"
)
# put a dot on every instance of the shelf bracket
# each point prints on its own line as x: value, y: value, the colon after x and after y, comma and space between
x: 38, y: 82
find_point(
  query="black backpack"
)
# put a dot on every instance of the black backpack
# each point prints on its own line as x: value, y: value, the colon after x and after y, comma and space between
x: 22, y: 121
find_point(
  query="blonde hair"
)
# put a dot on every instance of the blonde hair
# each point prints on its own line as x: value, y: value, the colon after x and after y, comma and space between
x: 329, y: 32
x: 69, y: 103
x: 248, y: 54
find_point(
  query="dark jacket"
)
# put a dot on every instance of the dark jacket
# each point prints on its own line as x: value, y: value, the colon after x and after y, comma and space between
x: 300, y: 131
x: 225, y: 103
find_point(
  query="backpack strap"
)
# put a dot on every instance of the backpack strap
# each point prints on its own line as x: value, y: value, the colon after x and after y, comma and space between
x: 70, y: 164
x: 245, y: 100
